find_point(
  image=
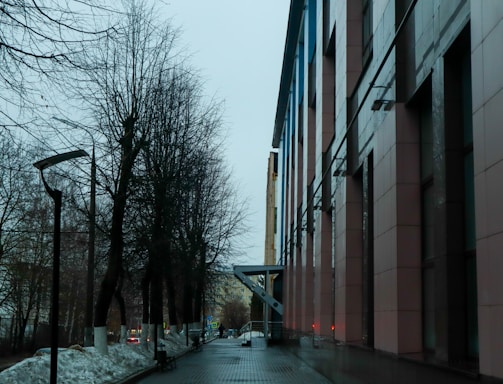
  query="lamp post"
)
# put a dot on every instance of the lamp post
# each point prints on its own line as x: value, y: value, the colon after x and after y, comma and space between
x: 56, y: 196
x: 88, y: 331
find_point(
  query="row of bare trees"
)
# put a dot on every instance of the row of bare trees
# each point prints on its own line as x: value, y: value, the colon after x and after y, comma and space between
x: 167, y: 212
x: 26, y: 254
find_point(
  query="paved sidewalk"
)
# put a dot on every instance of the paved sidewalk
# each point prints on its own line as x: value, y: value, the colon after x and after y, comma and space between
x: 227, y: 361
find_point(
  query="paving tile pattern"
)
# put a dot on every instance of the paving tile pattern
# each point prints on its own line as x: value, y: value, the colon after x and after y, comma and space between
x: 227, y: 361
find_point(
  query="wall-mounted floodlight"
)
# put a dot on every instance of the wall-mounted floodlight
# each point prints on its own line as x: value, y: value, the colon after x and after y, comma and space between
x: 378, y: 103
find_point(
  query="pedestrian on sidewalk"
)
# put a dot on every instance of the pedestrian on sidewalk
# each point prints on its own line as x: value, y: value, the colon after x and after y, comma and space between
x: 221, y: 330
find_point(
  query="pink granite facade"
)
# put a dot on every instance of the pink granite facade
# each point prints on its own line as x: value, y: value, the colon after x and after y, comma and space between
x: 487, y: 97
x: 390, y: 175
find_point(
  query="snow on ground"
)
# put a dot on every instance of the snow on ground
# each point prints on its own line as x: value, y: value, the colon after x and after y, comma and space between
x: 86, y: 365
x: 247, y: 335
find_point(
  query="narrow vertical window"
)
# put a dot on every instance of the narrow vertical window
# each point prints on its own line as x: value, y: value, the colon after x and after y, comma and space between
x: 301, y: 74
x: 310, y: 209
x: 311, y: 53
x: 298, y: 227
x: 311, y: 30
x: 366, y: 31
x: 461, y: 253
x: 469, y: 209
x: 427, y: 226
x: 326, y: 186
x: 368, y: 252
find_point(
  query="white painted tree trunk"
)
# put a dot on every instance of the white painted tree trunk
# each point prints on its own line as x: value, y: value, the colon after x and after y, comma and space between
x: 100, y: 340
x: 123, y: 334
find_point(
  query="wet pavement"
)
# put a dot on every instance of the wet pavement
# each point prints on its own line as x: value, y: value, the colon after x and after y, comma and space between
x: 227, y: 361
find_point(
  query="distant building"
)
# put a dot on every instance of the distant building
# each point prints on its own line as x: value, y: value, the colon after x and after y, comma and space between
x: 226, y: 288
x: 390, y: 176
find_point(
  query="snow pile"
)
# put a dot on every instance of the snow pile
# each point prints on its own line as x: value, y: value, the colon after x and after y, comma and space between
x: 173, y: 343
x: 86, y: 365
x: 248, y: 335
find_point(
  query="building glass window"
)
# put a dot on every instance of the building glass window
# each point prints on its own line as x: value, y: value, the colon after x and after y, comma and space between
x: 368, y: 251
x: 366, y: 31
x: 429, y: 335
x: 311, y: 57
x: 469, y: 210
x: 300, y: 63
x: 427, y: 226
x: 312, y: 30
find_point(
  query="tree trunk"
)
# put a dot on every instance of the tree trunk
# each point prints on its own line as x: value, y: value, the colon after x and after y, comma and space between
x: 145, y: 294
x: 100, y: 339
x: 156, y: 289
x: 123, y: 336
x: 173, y: 318
x: 198, y: 300
x: 36, y: 320
x: 172, y: 312
x: 71, y: 336
x: 114, y: 267
x: 111, y: 278
x: 122, y: 309
x: 12, y: 339
x: 187, y: 303
x: 199, y: 286
x: 156, y: 299
x: 22, y: 330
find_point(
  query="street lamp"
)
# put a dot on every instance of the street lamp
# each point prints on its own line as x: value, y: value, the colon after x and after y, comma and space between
x: 56, y: 196
x: 88, y: 331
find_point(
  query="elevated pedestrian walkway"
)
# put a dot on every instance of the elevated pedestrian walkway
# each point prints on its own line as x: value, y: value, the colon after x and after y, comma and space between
x: 242, y: 272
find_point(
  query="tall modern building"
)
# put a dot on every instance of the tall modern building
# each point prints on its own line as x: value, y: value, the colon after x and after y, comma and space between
x: 389, y: 131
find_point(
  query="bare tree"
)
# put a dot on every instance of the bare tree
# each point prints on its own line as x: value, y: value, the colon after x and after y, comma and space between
x: 40, y: 40
x: 215, y: 218
x: 185, y: 198
x: 176, y: 134
x: 235, y: 314
x: 132, y: 61
x: 74, y: 253
x: 25, y: 238
x: 14, y: 181
x: 27, y: 264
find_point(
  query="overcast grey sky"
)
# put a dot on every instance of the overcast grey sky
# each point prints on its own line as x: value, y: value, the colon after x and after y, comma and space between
x: 238, y: 47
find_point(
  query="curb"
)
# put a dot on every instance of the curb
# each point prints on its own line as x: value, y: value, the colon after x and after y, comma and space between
x: 138, y: 376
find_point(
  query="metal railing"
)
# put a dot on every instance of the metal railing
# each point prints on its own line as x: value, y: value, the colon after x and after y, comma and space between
x: 259, y: 326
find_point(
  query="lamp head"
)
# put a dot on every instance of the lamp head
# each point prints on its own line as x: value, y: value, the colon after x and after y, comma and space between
x: 53, y: 160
